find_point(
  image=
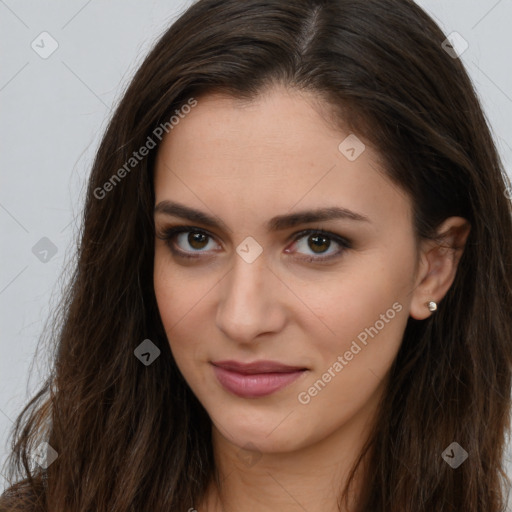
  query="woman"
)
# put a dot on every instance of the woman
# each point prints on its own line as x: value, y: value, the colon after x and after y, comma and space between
x: 294, y: 280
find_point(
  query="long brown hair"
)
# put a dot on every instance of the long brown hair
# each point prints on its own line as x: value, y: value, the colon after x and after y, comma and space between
x: 131, y: 437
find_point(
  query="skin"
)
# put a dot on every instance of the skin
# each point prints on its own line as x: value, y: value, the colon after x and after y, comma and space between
x: 245, y: 162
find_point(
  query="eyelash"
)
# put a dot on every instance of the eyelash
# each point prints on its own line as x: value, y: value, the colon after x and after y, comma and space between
x: 168, y: 235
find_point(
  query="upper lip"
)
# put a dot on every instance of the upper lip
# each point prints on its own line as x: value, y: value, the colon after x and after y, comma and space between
x: 257, y: 367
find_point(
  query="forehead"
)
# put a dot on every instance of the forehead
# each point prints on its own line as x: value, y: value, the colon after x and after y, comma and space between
x: 278, y: 119
x: 279, y: 149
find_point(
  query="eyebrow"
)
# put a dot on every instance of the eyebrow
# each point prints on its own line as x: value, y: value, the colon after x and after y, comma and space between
x: 278, y: 223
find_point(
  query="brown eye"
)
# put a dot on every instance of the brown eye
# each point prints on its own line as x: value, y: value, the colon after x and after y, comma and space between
x: 319, y: 243
x: 185, y: 241
x: 316, y: 242
x: 196, y: 239
x: 188, y: 242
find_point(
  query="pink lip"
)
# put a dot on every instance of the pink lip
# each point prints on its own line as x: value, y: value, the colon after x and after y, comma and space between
x: 255, y: 379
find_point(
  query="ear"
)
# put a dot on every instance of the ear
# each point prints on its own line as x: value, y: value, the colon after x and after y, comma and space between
x: 437, y: 266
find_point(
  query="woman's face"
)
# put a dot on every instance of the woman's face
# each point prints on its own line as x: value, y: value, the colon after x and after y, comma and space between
x: 321, y: 316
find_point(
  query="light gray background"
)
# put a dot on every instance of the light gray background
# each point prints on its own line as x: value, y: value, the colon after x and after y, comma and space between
x: 54, y: 110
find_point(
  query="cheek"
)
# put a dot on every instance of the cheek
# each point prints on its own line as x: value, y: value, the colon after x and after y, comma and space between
x: 175, y: 300
x: 177, y: 294
x: 368, y: 310
x: 355, y: 298
x: 181, y: 302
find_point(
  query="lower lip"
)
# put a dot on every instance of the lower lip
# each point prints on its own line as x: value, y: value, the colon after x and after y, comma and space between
x: 254, y: 385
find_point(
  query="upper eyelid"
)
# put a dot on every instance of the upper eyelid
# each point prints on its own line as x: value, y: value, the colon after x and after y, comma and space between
x: 185, y: 228
x: 176, y: 230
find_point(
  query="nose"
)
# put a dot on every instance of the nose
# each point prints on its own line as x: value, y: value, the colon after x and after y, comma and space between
x: 250, y: 301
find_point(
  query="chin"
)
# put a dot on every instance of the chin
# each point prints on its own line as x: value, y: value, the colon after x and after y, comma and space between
x: 268, y: 432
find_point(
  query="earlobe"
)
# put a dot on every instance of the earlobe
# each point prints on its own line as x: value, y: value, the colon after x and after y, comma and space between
x: 438, y: 266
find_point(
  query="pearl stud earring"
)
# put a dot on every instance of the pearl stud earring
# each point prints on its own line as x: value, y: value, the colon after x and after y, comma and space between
x: 432, y: 306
